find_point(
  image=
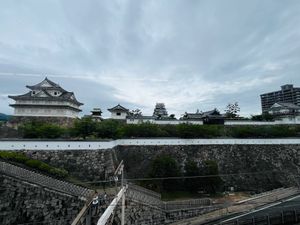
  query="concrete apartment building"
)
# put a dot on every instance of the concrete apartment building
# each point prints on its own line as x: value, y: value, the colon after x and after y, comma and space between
x: 287, y: 94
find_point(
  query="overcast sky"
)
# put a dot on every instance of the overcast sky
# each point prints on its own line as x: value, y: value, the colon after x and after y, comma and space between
x: 189, y: 54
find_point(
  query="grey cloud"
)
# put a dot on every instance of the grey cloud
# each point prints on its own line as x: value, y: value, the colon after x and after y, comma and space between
x: 190, y: 54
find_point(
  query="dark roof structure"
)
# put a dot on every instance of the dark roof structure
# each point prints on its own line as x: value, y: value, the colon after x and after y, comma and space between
x: 41, y: 91
x: 286, y: 105
x: 201, y: 115
x: 46, y: 84
x: 118, y: 108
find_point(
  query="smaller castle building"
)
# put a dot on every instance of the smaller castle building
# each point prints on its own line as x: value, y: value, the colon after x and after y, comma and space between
x: 118, y: 112
x: 46, y: 99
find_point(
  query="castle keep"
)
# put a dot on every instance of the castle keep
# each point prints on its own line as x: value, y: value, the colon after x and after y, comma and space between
x: 46, y: 99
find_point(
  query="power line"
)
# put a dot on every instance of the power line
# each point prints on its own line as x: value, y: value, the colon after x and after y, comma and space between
x: 185, y: 177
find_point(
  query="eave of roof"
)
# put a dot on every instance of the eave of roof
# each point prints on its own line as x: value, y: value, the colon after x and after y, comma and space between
x: 45, y: 99
x: 118, y: 108
x: 44, y: 106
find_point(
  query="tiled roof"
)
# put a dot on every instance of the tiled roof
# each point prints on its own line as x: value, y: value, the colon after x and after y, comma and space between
x: 201, y: 115
x: 118, y: 108
x: 65, y: 96
x: 51, y: 84
x: 286, y: 105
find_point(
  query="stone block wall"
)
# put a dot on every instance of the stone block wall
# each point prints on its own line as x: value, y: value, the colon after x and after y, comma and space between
x: 86, y: 165
x: 261, y: 167
x: 22, y: 202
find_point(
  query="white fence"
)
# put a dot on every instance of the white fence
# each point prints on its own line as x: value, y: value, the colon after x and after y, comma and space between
x: 163, y: 122
x: 285, y: 121
x: 258, y: 123
x: 94, y: 145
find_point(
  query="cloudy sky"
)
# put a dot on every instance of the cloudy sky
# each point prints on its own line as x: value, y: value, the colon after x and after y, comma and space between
x: 189, y: 54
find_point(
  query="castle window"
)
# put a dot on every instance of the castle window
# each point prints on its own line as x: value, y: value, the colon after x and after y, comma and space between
x: 118, y: 114
x: 33, y: 92
x: 55, y: 93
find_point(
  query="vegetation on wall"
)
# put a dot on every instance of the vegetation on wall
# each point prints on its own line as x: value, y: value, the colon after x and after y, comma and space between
x: 196, y: 178
x: 32, y: 163
x: 86, y: 128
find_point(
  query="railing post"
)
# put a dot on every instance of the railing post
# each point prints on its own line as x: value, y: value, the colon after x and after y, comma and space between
x: 88, y: 217
x: 123, y: 198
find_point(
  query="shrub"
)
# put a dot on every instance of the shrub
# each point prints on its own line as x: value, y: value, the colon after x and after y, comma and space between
x: 33, y: 163
x: 41, y: 130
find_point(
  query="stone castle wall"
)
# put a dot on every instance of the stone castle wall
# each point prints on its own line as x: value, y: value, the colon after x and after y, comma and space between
x: 16, y: 121
x: 261, y: 167
x: 86, y: 165
x: 22, y: 202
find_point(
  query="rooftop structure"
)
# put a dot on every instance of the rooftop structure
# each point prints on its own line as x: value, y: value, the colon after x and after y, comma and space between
x: 96, y: 114
x: 118, y: 112
x: 283, y: 108
x: 287, y: 94
x: 208, y: 117
x: 160, y: 110
x: 46, y: 99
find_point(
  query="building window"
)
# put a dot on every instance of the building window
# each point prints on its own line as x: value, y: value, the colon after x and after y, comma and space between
x: 33, y: 92
x: 55, y: 93
x: 118, y: 114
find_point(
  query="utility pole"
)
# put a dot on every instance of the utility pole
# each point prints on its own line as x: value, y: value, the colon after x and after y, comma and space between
x: 119, y: 195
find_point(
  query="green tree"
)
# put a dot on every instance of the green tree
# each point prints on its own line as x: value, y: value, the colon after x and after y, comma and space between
x: 191, y: 169
x: 37, y: 129
x: 165, y: 166
x: 108, y: 129
x: 84, y: 127
x: 50, y: 131
x: 212, y: 182
x: 232, y: 110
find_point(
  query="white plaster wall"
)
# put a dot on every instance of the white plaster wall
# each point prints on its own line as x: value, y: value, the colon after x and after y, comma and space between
x: 93, y: 145
x: 39, y: 102
x: 162, y: 122
x: 239, y: 122
x: 48, y: 112
x: 118, y: 117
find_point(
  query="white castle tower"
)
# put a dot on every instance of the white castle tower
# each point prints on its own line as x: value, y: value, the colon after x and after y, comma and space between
x: 46, y: 99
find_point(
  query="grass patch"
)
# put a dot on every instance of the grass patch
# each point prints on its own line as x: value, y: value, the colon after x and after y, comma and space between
x: 33, y: 163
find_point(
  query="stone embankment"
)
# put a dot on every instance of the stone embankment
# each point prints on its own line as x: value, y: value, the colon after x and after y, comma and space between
x: 27, y: 197
x: 86, y: 165
x: 246, y: 167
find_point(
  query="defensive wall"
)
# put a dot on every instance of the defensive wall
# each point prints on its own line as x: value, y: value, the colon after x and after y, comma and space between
x: 26, y: 196
x: 98, y: 145
x: 248, y: 164
x: 29, y: 197
x: 256, y: 164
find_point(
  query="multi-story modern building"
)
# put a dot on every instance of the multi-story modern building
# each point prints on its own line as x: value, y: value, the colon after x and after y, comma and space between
x: 46, y: 99
x: 287, y: 94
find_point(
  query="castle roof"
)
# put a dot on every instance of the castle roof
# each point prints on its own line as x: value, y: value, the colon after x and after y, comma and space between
x: 118, y: 108
x: 201, y: 115
x: 46, y: 84
x: 42, y: 93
